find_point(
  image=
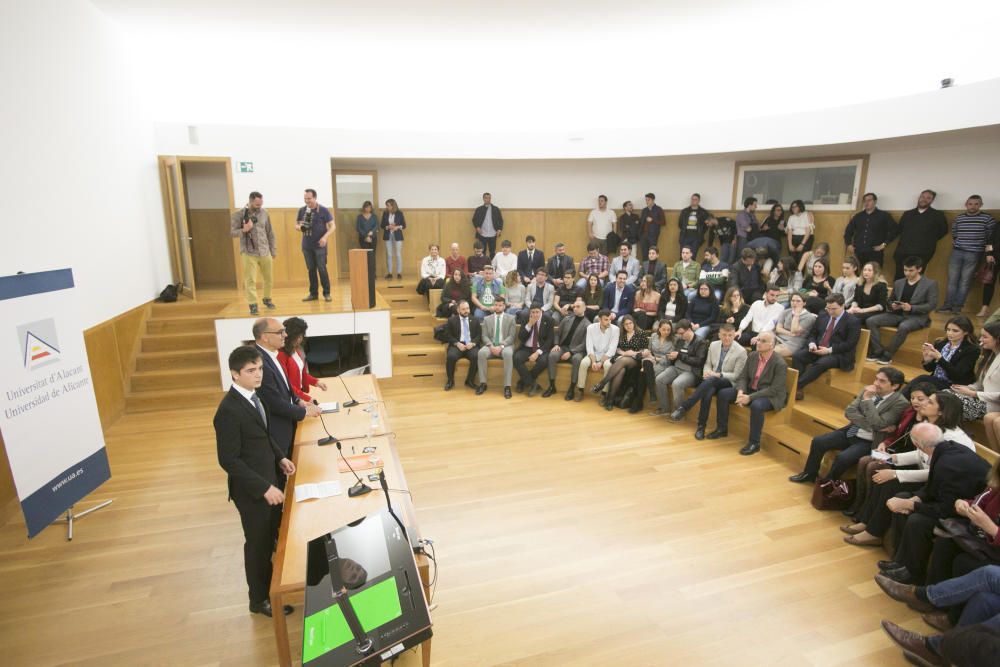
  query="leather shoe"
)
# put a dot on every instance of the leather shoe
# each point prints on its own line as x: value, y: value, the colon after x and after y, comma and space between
x: 678, y: 415
x: 311, y: 297
x: 470, y: 384
x: 899, y: 575
x: 609, y: 405
x: 570, y: 393
x: 884, y: 565
x: 579, y: 395
x: 751, y: 448
x: 863, y: 542
x: 534, y: 389
x: 265, y: 608
x: 548, y: 392
x: 913, y: 644
x: 800, y: 395
x: 519, y: 387
x: 850, y: 529
x: 717, y: 433
x: 903, y: 593
x: 481, y: 389
x: 938, y: 620
x: 449, y: 385
x: 506, y: 392
x: 270, y: 304
x: 699, y: 433
x: 802, y: 478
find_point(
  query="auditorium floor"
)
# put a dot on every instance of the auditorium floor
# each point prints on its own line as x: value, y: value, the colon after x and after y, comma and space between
x: 565, y: 536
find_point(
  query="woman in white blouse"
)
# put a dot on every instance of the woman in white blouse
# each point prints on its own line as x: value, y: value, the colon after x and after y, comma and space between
x: 800, y: 228
x: 987, y: 385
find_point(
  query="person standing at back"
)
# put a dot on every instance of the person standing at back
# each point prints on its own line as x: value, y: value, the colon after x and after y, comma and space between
x: 919, y: 231
x: 317, y: 225
x: 869, y: 231
x: 601, y: 223
x: 393, y: 224
x: 691, y: 223
x: 972, y: 234
x: 652, y: 222
x: 252, y: 226
x: 488, y: 221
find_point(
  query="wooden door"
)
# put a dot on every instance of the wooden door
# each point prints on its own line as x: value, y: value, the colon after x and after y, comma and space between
x: 175, y: 211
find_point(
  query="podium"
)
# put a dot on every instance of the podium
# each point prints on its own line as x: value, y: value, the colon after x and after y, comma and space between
x: 362, y: 272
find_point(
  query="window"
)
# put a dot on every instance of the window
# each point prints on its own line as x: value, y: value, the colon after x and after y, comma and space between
x: 351, y: 189
x: 834, y: 184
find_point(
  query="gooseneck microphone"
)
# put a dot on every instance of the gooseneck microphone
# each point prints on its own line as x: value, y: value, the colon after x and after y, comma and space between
x: 358, y: 489
x: 329, y: 439
x: 351, y: 403
x: 388, y: 502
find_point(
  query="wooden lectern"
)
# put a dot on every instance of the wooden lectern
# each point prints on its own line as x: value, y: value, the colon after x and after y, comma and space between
x: 362, y: 268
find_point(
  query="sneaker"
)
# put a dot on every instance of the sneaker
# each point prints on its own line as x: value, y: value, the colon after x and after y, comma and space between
x: 873, y: 358
x: 270, y: 304
x: 884, y: 360
x: 944, y: 309
x: 253, y: 309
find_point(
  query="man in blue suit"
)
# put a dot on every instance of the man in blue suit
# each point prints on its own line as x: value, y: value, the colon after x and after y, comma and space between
x: 619, y: 297
x: 832, y: 344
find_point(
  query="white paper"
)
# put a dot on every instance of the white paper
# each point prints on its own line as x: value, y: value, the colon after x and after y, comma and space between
x: 880, y: 456
x: 332, y: 406
x: 318, y: 490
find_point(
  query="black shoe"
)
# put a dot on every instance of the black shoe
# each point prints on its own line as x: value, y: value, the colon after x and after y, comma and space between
x: 506, y: 392
x: 548, y: 392
x: 519, y: 387
x: 609, y: 405
x: 751, y: 448
x: 534, y: 389
x: 678, y: 415
x: 253, y: 309
x: 311, y: 297
x: 270, y: 304
x: 399, y: 276
x: 449, y: 385
x: 470, y: 384
x: 885, y: 359
x: 802, y: 478
x: 388, y: 276
x: 899, y: 575
x: 570, y: 393
x: 480, y: 390
x: 599, y: 387
x: 265, y: 608
x: 717, y: 433
x: 699, y: 433
x: 888, y: 565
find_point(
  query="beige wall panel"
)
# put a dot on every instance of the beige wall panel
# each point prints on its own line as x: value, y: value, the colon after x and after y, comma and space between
x: 568, y: 226
x: 518, y: 223
x: 210, y: 233
x: 421, y: 230
x: 128, y: 331
x: 455, y: 225
x: 105, y: 369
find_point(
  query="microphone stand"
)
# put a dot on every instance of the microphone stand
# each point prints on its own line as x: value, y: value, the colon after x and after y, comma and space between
x: 388, y: 501
x: 358, y: 489
x: 329, y: 439
x: 351, y: 403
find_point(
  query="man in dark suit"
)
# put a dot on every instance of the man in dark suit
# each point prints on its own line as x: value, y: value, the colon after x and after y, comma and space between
x: 762, y: 388
x: 462, y: 331
x: 488, y: 221
x: 536, y: 338
x: 558, y: 264
x: 832, y: 344
x: 285, y: 409
x: 619, y: 297
x: 654, y: 267
x: 529, y: 260
x: 251, y: 459
x: 570, y: 346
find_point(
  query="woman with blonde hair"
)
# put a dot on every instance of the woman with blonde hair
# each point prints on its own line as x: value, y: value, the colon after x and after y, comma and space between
x: 871, y: 294
x: 647, y: 302
x: 732, y: 310
x: 514, y: 295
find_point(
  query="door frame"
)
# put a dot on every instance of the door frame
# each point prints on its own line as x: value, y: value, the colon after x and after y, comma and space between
x: 342, y: 269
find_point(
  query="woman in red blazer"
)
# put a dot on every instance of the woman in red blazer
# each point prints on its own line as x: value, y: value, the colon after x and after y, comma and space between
x: 293, y: 360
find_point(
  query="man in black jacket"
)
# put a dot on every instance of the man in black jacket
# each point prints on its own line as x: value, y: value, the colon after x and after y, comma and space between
x: 919, y: 231
x: 691, y: 225
x: 530, y: 260
x: 462, y: 331
x: 832, y: 344
x: 536, y: 338
x: 488, y: 221
x: 558, y: 264
x: 251, y: 459
x: 869, y: 232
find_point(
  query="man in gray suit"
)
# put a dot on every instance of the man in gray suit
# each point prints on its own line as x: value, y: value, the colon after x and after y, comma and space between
x: 570, y: 346
x: 913, y: 298
x: 724, y: 367
x: 499, y: 330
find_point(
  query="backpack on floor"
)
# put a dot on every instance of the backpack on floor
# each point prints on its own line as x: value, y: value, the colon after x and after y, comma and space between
x: 168, y: 295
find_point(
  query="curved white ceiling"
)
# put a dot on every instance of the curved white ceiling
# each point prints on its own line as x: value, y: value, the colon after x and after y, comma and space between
x: 606, y: 71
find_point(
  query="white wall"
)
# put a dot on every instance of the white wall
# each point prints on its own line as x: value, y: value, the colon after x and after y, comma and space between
x: 78, y: 170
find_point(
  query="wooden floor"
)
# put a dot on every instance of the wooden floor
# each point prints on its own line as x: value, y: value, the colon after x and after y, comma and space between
x: 565, y: 536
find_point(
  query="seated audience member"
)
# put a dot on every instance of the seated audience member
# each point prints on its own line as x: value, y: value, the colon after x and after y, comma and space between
x: 478, y: 259
x: 821, y: 251
x: 631, y: 342
x: 871, y: 295
x: 484, y: 289
x: 786, y: 278
x: 619, y: 296
x: 655, y: 268
x: 913, y: 298
x: 952, y: 359
x: 601, y: 342
x: 647, y: 303
x: 540, y: 292
x: 972, y: 599
x: 594, y: 263
x: 848, y: 280
x: 986, y: 388
x: 764, y: 264
x: 702, y: 310
x: 687, y: 271
x: 832, y: 344
x: 691, y: 224
x: 876, y: 407
x: 536, y: 338
x: 794, y: 327
x: 654, y: 357
x: 625, y: 262
x: 816, y: 286
x: 433, y: 271
x: 559, y: 265
x: 799, y: 229
x: 722, y: 234
x: 732, y: 310
x: 762, y: 388
x: 593, y: 295
x: 515, y: 295
x: 715, y: 272
x: 570, y: 346
x: 724, y: 366
x: 504, y: 261
x: 565, y: 295
x: 673, y: 303
x: 762, y: 316
x: 456, y: 288
x: 745, y: 276
x: 906, y: 471
x: 955, y: 472
x: 292, y: 359
x: 629, y: 226
x: 529, y: 260
x: 454, y: 260
x: 688, y: 357
x: 462, y: 331
x: 499, y: 330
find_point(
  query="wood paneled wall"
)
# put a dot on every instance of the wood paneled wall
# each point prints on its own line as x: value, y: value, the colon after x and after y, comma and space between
x: 8, y: 494
x: 111, y: 349
x: 210, y: 230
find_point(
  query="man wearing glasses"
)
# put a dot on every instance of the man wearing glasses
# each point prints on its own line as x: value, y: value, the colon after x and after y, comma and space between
x: 284, y: 409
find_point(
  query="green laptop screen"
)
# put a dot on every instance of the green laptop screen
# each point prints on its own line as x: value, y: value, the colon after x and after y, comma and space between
x: 326, y: 630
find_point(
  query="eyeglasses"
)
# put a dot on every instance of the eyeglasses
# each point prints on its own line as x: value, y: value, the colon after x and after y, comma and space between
x: 279, y: 332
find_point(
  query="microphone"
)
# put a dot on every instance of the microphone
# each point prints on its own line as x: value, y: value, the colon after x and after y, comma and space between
x: 329, y: 438
x: 351, y: 403
x: 388, y: 502
x: 358, y: 489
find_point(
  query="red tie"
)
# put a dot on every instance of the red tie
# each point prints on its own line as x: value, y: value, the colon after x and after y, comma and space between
x: 828, y: 334
x: 534, y: 338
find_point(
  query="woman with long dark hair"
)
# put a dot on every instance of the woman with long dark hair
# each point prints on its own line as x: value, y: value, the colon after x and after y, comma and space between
x: 366, y: 225
x: 732, y: 310
x: 703, y: 310
x: 293, y: 359
x: 986, y: 388
x: 592, y: 295
x: 816, y: 286
x: 800, y: 229
x: 393, y: 223
x: 457, y: 288
x: 631, y: 342
x: 673, y: 303
x: 952, y: 359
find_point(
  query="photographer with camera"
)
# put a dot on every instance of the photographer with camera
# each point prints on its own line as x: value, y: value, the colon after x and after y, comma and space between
x: 252, y: 226
x: 316, y: 224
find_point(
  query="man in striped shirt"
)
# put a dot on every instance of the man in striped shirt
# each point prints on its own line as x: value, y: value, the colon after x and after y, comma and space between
x: 971, y: 232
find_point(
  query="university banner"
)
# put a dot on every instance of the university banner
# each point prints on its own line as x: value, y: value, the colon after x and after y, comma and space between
x: 49, y: 419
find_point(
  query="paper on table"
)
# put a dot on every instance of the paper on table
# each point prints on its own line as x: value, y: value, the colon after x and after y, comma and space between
x: 332, y: 406
x: 318, y: 490
x: 880, y: 456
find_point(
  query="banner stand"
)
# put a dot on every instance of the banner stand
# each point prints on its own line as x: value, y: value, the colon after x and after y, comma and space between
x: 70, y: 517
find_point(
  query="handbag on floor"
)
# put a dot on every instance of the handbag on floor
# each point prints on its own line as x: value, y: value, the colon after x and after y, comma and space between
x: 831, y: 494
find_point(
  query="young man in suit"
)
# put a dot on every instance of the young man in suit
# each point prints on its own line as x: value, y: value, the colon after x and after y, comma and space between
x: 913, y: 298
x: 285, y: 408
x: 488, y: 222
x: 498, y: 334
x: 652, y: 221
x: 536, y: 338
x: 724, y: 366
x: 529, y: 260
x: 876, y: 407
x: 832, y: 344
x: 252, y: 460
x: 762, y: 388
x: 570, y: 346
x: 688, y: 359
x: 539, y: 292
x: 462, y: 331
x: 559, y: 264
x: 619, y: 297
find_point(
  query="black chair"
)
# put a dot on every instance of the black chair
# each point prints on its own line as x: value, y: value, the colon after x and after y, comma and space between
x: 324, y: 350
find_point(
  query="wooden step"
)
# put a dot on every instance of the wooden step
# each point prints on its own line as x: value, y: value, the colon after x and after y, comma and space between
x: 185, y: 308
x: 870, y: 369
x: 408, y: 335
x: 174, y: 341
x: 413, y: 318
x: 198, y: 377
x: 156, y: 361
x: 826, y: 414
x: 177, y: 325
x: 417, y: 353
x: 171, y: 399
x: 790, y: 437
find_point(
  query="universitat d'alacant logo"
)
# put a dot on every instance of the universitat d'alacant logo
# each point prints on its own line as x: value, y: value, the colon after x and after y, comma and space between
x: 39, y: 343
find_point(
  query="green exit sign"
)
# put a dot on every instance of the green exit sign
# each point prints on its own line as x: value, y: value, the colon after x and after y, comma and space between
x: 246, y: 167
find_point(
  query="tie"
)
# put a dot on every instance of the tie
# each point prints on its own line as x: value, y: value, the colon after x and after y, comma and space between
x: 534, y: 338
x: 853, y: 430
x: 722, y: 357
x: 531, y: 256
x: 260, y: 408
x: 496, y: 336
x: 465, y: 331
x: 828, y: 334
